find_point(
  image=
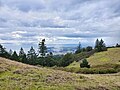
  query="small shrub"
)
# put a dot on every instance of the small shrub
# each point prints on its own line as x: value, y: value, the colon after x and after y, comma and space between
x: 84, y: 64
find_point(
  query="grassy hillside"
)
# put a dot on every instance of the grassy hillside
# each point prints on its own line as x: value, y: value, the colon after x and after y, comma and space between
x: 112, y: 56
x: 18, y: 76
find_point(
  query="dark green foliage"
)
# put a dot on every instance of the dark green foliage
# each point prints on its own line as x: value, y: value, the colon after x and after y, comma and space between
x: 48, y: 61
x: 117, y: 45
x: 14, y: 56
x: 84, y: 64
x: 97, y: 71
x: 67, y: 59
x: 32, y: 56
x: 42, y: 48
x: 3, y: 52
x: 89, y: 48
x: 100, y: 46
x: 22, y: 56
x: 85, y: 49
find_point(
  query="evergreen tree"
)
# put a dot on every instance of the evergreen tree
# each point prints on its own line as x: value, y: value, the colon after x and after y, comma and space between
x: 10, y: 52
x: 42, y: 48
x: 97, y: 45
x: 3, y: 52
x: 22, y: 56
x: 14, y: 56
x: 78, y: 49
x: 117, y: 45
x: 32, y: 56
x: 84, y: 64
x: 50, y: 55
x: 100, y: 46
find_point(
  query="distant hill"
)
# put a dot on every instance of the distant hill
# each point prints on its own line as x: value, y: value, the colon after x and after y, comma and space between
x: 19, y: 76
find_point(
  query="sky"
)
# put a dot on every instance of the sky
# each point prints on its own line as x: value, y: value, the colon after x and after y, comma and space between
x: 25, y: 22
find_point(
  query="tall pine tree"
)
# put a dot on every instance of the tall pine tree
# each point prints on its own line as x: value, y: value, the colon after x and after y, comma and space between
x: 42, y: 48
x: 22, y: 56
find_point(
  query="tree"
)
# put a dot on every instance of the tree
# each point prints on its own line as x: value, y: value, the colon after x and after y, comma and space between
x: 100, y: 46
x: 88, y: 48
x: 22, y: 56
x: 117, y: 45
x: 42, y: 48
x: 84, y: 64
x: 3, y: 52
x: 32, y: 56
x: 50, y: 55
x: 78, y: 49
x: 14, y: 56
x: 10, y: 52
x: 97, y: 45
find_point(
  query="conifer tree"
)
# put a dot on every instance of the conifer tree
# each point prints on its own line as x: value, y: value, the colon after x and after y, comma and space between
x: 10, y: 52
x: 42, y: 48
x: 22, y: 56
x: 32, y: 56
x: 84, y: 64
x: 14, y: 56
x: 100, y: 46
x: 3, y: 52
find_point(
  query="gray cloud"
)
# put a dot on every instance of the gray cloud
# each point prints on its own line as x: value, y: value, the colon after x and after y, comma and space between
x: 64, y: 21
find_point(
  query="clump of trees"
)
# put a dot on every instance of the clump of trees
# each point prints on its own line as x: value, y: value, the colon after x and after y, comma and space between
x: 80, y: 49
x: 117, y: 45
x: 100, y: 46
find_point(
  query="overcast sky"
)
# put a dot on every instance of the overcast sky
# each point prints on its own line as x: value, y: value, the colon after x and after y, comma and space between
x: 26, y: 22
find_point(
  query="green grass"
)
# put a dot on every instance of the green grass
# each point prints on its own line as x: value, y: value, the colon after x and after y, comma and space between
x: 112, y: 56
x: 18, y: 76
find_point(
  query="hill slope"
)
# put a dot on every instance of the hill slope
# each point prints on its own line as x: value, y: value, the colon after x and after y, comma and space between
x: 112, y: 56
x: 18, y: 76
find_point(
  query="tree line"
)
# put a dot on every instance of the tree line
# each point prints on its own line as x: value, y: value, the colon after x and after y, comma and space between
x: 45, y: 58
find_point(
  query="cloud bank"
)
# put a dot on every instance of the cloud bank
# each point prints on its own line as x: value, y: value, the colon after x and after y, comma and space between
x: 59, y: 22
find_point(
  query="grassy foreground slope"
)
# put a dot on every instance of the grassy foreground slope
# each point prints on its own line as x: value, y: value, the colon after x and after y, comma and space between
x: 18, y: 76
x: 112, y: 56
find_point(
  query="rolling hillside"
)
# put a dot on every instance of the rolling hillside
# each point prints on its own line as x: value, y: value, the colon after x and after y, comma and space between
x: 18, y: 76
x: 112, y: 56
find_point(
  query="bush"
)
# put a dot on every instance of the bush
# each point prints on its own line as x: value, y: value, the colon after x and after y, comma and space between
x: 97, y: 71
x: 84, y: 64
